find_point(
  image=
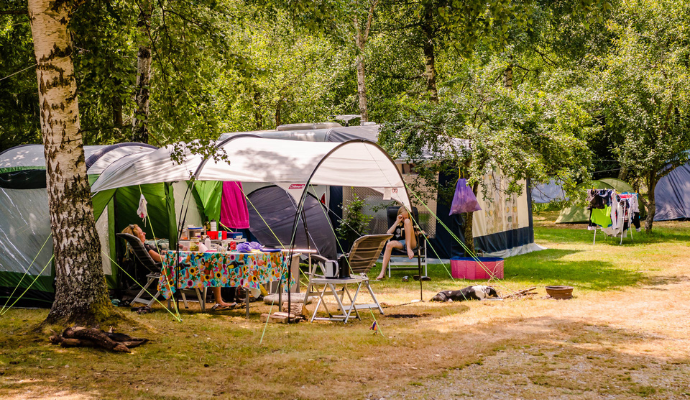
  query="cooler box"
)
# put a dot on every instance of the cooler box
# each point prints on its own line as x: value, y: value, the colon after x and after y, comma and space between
x: 468, y: 268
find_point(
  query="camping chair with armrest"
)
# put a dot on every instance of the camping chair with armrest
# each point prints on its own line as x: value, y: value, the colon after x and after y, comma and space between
x: 154, y: 271
x: 397, y: 261
x: 361, y: 258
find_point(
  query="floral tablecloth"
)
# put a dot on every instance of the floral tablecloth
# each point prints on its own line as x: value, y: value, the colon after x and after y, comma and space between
x: 199, y: 270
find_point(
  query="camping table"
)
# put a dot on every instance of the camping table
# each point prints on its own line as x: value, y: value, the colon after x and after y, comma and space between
x: 213, y: 269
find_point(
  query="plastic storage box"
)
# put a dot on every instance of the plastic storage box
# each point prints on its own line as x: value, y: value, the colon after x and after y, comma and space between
x: 469, y: 268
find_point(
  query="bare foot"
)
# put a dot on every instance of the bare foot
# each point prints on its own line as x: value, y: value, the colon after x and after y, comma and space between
x: 410, y: 253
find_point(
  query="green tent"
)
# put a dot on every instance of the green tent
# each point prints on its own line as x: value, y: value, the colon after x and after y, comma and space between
x: 580, y: 215
x: 25, y: 248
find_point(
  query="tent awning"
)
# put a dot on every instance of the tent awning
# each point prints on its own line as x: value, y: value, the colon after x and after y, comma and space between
x: 358, y: 163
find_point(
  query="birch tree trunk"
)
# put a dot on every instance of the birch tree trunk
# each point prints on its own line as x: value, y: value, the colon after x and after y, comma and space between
x: 362, y: 89
x: 429, y: 53
x: 361, y: 37
x: 140, y: 129
x: 80, y: 290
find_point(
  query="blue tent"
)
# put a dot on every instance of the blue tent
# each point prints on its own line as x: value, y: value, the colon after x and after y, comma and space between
x: 672, y: 195
x: 548, y: 192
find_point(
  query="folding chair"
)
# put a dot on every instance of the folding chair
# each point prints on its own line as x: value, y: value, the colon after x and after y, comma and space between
x: 361, y: 258
x: 154, y: 272
x: 404, y: 263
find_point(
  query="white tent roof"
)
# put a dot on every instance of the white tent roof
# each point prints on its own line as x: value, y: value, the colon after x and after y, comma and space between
x: 113, y: 154
x: 261, y: 160
x: 32, y: 156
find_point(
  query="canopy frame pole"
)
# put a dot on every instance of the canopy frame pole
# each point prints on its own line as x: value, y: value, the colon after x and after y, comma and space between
x: 306, y: 189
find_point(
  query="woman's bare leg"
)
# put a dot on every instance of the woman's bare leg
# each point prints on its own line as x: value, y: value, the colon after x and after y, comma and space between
x: 219, y: 299
x: 410, y: 239
x: 393, y: 244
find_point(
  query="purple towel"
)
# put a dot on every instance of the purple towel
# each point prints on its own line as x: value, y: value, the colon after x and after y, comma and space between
x: 248, y: 246
x: 464, y: 199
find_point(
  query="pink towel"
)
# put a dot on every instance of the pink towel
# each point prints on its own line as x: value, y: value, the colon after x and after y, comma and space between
x: 233, y: 206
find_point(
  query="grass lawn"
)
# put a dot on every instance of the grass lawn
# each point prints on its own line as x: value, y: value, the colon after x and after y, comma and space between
x: 624, y: 335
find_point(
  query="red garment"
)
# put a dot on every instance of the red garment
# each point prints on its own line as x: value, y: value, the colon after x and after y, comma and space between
x: 233, y: 206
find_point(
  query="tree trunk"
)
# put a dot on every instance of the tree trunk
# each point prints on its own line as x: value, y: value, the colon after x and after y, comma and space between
x: 361, y: 37
x: 429, y: 54
x: 651, y: 204
x: 258, y: 117
x: 623, y: 173
x: 278, y: 116
x: 117, y: 113
x: 140, y: 130
x: 508, y: 77
x: 362, y: 89
x: 430, y: 70
x: 469, y: 238
x: 80, y: 290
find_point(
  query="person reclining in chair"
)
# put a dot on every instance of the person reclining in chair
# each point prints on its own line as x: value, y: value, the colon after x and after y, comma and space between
x: 135, y: 230
x: 404, y: 237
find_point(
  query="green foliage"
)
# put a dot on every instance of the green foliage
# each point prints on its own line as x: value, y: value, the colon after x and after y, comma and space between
x: 645, y: 89
x: 355, y: 222
x: 485, y: 128
x: 19, y: 112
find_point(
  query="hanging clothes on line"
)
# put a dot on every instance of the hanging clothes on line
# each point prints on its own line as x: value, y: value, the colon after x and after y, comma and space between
x: 634, y: 208
x: 613, y: 213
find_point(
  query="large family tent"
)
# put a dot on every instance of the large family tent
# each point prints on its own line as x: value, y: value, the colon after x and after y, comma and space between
x: 672, y: 195
x: 287, y: 173
x: 25, y: 245
x: 294, y: 166
x: 578, y: 214
x: 503, y: 229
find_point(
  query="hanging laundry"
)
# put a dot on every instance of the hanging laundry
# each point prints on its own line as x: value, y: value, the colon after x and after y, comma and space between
x: 601, y: 216
x: 464, y: 199
x: 233, y: 206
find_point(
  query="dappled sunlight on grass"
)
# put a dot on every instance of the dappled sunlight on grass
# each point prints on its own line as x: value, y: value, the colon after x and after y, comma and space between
x: 625, y: 314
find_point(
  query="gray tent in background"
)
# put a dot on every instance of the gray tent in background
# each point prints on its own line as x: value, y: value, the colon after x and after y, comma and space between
x: 548, y: 192
x: 672, y: 195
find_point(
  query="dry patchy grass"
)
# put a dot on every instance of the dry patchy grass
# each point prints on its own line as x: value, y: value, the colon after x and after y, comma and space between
x: 623, y: 336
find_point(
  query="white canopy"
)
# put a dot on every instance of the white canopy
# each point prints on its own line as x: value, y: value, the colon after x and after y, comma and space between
x: 287, y: 163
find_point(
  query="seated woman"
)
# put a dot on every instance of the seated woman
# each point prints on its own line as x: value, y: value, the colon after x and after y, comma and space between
x: 403, y: 238
x: 135, y: 230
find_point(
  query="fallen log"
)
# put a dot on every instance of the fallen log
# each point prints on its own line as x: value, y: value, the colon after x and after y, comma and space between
x: 91, y: 337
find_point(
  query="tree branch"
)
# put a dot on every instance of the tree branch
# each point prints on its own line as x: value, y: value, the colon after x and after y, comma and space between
x: 14, y: 12
x: 369, y: 18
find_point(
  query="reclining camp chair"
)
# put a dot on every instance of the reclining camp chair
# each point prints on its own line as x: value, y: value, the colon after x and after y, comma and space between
x: 399, y: 260
x: 361, y: 258
x: 154, y: 271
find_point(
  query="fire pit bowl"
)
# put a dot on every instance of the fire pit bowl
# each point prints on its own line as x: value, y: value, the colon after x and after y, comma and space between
x: 560, y: 292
